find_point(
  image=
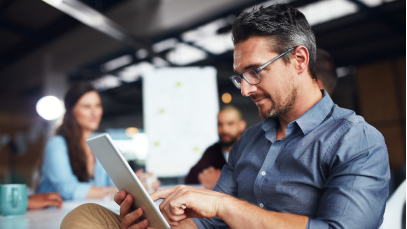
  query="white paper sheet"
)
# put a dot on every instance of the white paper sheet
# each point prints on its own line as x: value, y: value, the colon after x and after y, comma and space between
x: 180, y: 108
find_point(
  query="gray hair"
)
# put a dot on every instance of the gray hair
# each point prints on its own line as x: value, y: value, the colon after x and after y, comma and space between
x: 285, y: 26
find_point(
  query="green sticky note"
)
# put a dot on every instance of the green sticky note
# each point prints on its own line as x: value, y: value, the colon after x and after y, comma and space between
x: 156, y: 144
x: 178, y: 84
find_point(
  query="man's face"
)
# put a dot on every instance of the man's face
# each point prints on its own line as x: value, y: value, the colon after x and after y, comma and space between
x: 277, y: 91
x: 229, y: 127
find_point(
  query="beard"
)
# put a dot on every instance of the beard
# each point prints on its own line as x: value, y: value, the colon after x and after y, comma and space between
x: 232, y: 141
x: 279, y: 105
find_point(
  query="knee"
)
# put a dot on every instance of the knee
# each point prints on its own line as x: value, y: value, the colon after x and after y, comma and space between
x: 79, y: 215
x: 87, y: 208
x: 90, y: 215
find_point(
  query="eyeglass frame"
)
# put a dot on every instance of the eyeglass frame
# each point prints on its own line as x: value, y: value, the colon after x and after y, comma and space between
x: 257, y: 70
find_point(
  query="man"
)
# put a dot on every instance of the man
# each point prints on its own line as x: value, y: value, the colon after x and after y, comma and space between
x: 230, y: 128
x: 326, y: 71
x: 310, y: 164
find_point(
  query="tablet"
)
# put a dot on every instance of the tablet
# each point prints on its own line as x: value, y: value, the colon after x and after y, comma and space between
x: 125, y: 179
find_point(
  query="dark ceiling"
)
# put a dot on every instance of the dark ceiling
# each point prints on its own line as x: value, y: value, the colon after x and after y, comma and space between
x: 26, y: 25
x: 371, y: 34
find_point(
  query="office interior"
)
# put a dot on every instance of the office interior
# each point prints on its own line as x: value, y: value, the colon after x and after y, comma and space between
x: 45, y: 46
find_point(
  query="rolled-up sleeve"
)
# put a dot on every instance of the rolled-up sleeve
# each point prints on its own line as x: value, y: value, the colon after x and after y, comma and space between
x: 57, y: 170
x: 225, y: 184
x: 355, y: 193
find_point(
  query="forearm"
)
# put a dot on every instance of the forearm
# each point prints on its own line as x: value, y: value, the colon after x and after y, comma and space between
x: 95, y: 193
x: 101, y: 192
x: 240, y: 214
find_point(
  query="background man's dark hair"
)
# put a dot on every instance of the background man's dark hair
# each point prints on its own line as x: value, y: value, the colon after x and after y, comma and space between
x: 286, y: 27
x: 326, y: 70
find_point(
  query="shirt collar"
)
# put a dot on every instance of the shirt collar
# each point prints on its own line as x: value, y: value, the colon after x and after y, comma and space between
x: 269, y: 126
x: 309, y: 120
x: 316, y: 114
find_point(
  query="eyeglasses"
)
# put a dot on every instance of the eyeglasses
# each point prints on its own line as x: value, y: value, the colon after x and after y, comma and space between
x: 252, y: 76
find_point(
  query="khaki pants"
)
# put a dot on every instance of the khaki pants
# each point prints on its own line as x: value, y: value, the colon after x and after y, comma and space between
x: 91, y: 216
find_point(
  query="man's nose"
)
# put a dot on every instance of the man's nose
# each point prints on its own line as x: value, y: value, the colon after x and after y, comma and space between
x: 247, y: 89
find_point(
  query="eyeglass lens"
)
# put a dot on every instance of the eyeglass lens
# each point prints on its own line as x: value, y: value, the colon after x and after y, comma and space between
x: 236, y: 81
x: 251, y: 76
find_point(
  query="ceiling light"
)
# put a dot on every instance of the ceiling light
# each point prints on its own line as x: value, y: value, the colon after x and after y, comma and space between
x: 205, y: 30
x: 106, y: 82
x: 184, y: 54
x: 217, y: 44
x: 92, y: 18
x: 49, y: 108
x: 134, y: 72
x: 117, y: 63
x: 164, y: 45
x: 322, y: 11
x: 160, y: 62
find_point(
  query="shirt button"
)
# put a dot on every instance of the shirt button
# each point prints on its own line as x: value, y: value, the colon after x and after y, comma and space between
x: 261, y: 205
x: 263, y: 173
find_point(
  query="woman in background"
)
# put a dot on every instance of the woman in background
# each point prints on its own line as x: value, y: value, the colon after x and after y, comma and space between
x: 69, y: 166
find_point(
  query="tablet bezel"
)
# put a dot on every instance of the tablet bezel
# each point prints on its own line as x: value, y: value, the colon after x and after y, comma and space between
x: 124, y: 178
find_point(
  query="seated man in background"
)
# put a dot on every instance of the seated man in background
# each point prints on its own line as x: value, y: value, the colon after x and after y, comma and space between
x: 230, y: 127
x: 326, y: 71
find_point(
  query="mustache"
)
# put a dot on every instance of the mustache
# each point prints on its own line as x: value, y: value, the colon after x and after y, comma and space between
x: 223, y: 135
x: 260, y: 95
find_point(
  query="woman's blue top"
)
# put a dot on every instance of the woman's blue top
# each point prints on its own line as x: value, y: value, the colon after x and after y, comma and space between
x: 57, y: 175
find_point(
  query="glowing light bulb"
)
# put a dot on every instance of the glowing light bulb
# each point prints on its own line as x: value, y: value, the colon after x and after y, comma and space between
x: 226, y: 97
x: 49, y: 108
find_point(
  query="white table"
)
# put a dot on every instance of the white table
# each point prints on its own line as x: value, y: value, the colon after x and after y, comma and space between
x: 49, y: 217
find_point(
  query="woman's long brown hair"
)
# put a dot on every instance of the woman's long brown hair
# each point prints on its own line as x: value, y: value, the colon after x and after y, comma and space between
x: 72, y: 131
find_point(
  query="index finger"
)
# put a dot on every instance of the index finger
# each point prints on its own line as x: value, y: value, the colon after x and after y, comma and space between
x: 162, y: 194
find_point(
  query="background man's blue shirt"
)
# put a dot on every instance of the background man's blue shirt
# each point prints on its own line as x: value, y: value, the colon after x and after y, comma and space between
x: 331, y: 166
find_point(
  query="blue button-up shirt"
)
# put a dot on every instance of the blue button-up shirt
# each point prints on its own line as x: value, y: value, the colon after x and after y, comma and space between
x: 331, y: 166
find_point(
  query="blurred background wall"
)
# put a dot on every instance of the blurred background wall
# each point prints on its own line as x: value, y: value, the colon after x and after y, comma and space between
x: 43, y: 49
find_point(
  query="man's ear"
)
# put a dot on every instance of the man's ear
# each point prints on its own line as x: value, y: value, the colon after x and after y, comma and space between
x: 301, y: 59
x: 242, y: 125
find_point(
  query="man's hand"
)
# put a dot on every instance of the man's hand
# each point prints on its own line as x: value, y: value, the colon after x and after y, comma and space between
x: 198, y: 203
x: 44, y: 200
x: 208, y: 177
x: 127, y: 217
